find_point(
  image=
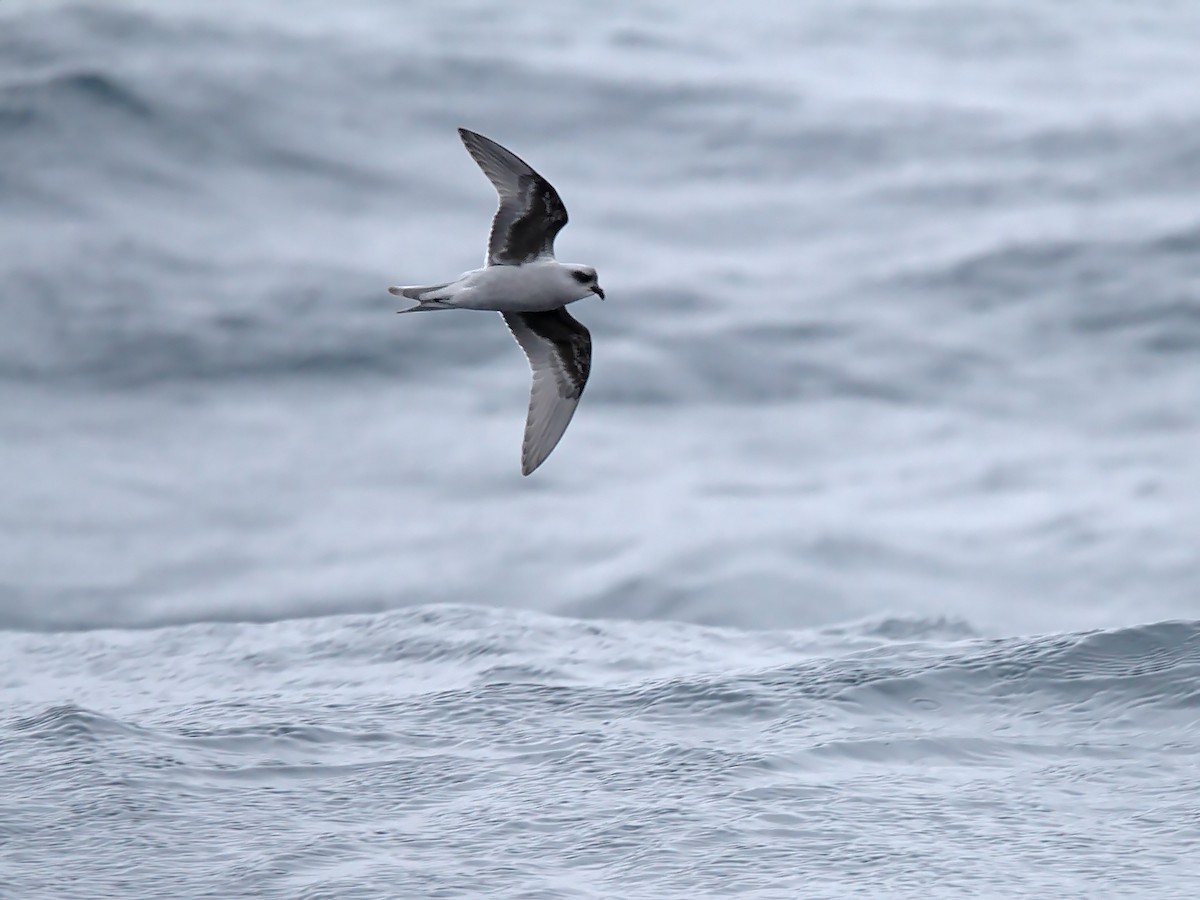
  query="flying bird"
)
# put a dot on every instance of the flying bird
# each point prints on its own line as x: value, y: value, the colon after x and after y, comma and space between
x: 523, y: 281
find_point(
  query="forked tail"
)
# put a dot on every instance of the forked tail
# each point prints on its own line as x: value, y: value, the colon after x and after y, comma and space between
x: 420, y: 294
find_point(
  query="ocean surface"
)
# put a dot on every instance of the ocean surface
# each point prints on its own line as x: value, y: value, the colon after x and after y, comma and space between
x: 869, y: 567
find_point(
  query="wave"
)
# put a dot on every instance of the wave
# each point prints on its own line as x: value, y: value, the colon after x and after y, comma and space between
x: 884, y: 702
x: 65, y: 95
x: 875, y: 663
x: 69, y: 723
x: 344, y: 721
x: 1130, y: 289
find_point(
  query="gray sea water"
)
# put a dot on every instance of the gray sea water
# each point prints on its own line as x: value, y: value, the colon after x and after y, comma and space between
x: 870, y: 565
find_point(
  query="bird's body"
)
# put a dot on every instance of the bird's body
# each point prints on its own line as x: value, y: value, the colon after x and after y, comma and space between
x: 537, y: 286
x: 530, y: 289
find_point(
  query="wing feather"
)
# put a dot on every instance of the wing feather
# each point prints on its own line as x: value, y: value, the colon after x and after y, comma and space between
x: 530, y: 214
x: 559, y: 349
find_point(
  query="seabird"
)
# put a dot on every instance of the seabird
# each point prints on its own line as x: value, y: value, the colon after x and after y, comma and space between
x: 523, y: 281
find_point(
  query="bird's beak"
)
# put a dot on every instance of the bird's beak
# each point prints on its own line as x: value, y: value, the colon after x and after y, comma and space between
x: 596, y: 289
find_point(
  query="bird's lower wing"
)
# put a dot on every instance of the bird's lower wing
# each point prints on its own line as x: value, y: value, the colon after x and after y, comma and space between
x: 559, y: 349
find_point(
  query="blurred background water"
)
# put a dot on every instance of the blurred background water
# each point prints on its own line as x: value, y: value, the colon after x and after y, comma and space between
x: 868, y: 566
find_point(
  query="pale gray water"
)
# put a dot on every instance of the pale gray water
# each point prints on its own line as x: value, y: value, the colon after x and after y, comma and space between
x: 873, y: 557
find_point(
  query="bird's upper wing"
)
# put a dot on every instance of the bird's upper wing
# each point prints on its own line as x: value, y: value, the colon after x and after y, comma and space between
x: 560, y: 353
x: 530, y: 214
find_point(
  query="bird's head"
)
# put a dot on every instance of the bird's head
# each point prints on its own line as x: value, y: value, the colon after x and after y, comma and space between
x: 585, y: 277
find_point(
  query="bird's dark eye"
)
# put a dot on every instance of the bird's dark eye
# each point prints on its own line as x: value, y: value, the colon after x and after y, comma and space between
x: 582, y: 277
